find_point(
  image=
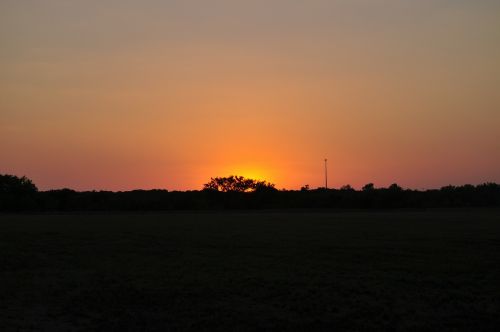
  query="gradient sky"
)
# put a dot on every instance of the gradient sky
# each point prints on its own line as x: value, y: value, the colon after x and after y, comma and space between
x: 126, y: 94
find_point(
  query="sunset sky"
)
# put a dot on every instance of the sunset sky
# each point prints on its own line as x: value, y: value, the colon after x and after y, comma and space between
x: 121, y: 94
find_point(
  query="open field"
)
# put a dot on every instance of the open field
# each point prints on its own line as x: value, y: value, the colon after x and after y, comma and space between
x: 433, y: 270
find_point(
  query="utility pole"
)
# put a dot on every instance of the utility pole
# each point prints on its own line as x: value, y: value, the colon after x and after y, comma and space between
x: 326, y: 173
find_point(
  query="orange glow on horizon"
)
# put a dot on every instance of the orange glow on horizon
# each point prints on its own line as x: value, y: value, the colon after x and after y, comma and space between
x: 167, y: 94
x: 256, y: 173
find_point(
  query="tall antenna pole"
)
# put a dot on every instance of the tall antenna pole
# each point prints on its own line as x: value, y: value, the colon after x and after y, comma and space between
x: 326, y: 173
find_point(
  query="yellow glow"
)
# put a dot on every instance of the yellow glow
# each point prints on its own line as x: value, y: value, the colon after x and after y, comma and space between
x: 250, y: 172
x: 127, y: 102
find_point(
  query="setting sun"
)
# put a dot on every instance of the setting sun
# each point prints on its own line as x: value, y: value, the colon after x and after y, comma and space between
x: 258, y: 165
x: 88, y: 102
x: 250, y: 172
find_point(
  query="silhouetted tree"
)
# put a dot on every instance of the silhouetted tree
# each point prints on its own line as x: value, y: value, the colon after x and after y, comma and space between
x: 17, y: 193
x: 11, y: 184
x: 263, y: 186
x: 237, y: 184
x: 395, y: 187
x: 347, y: 187
x: 368, y: 187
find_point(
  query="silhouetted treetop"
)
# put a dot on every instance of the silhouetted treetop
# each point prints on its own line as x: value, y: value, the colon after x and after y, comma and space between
x: 368, y: 187
x: 11, y: 184
x: 395, y: 187
x: 347, y: 187
x: 237, y: 184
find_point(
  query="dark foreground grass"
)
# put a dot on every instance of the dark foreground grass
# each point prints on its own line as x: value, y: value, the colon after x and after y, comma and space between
x: 354, y: 271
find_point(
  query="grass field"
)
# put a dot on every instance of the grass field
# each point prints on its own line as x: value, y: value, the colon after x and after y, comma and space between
x: 251, y: 271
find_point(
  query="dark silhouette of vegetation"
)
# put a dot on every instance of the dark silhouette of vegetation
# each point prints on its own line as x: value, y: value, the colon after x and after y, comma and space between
x: 237, y: 184
x: 368, y: 187
x: 17, y: 193
x: 12, y: 184
x: 347, y: 187
x: 235, y: 192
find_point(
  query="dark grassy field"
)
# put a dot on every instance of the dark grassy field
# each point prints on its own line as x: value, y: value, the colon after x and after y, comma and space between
x: 355, y: 271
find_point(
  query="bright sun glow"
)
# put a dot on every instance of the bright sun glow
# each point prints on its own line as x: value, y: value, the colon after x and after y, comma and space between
x: 108, y: 95
x: 250, y: 172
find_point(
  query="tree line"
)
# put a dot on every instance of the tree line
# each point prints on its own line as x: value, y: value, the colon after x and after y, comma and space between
x: 235, y: 192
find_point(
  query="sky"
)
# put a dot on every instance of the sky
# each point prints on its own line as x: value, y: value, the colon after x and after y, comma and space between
x: 120, y: 94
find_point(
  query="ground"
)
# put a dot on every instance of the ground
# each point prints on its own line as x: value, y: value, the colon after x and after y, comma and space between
x: 428, y: 270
